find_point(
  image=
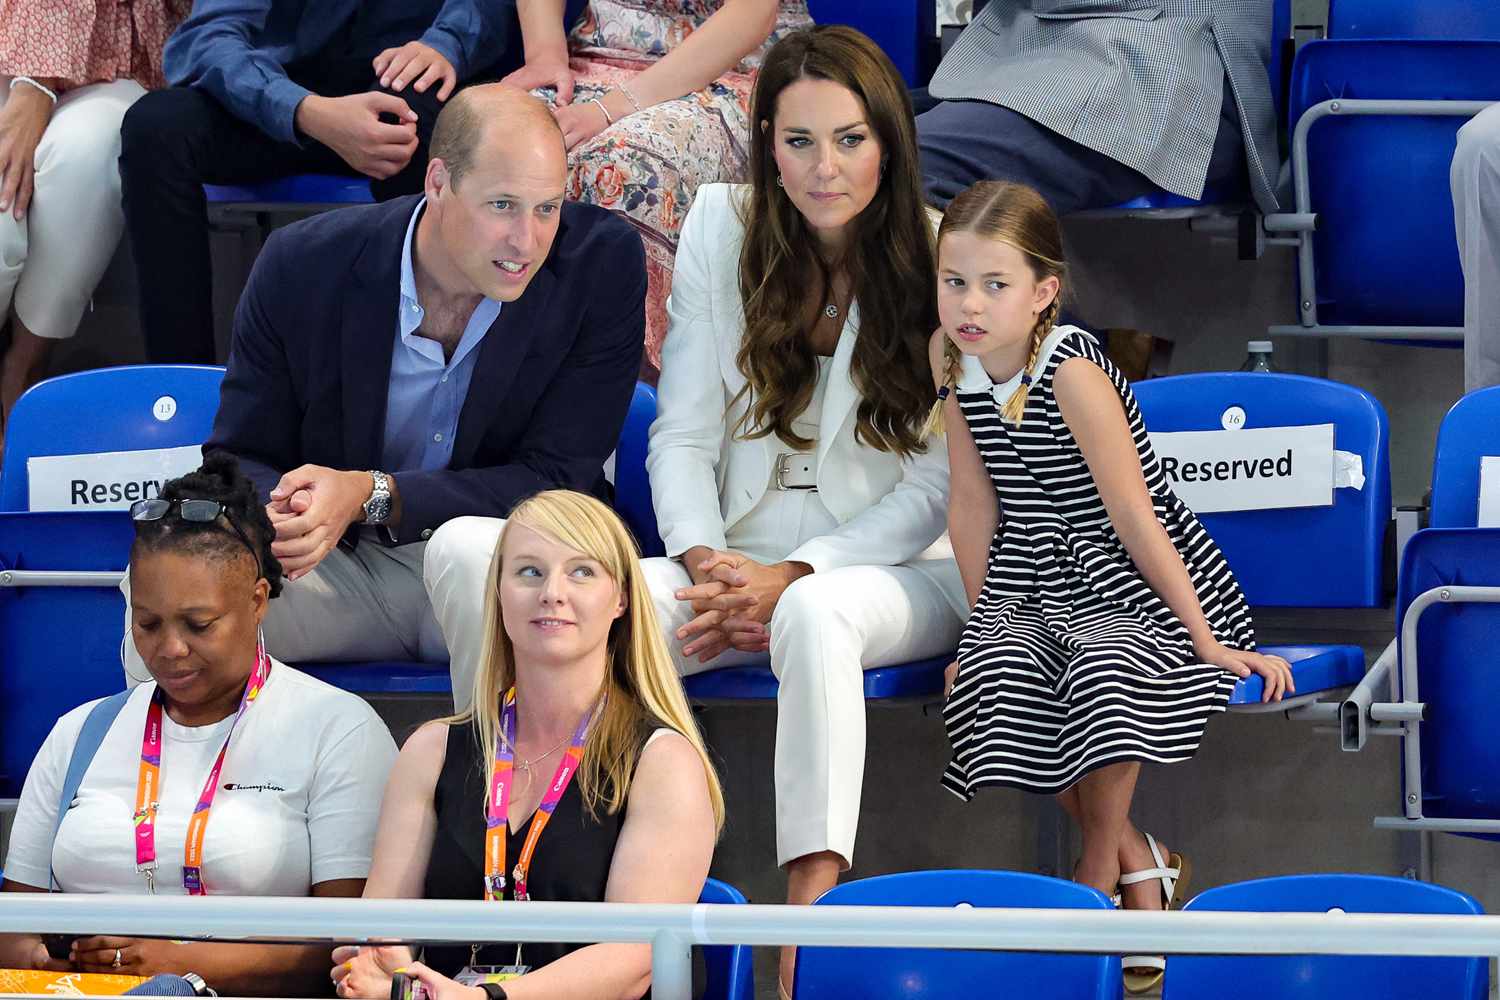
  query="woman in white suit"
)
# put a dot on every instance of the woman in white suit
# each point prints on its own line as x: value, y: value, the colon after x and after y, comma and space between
x: 801, y: 506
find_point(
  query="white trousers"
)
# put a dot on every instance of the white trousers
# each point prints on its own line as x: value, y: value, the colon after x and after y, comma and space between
x: 51, y: 260
x: 827, y: 629
x: 1475, y: 179
x: 410, y: 602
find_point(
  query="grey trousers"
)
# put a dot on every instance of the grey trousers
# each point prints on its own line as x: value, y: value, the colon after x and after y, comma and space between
x: 373, y: 603
x: 1475, y: 179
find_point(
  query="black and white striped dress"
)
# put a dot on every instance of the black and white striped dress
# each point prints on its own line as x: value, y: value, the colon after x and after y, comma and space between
x: 1070, y: 661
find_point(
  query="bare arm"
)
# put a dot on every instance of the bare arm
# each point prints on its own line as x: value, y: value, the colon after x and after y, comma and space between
x: 732, y: 32
x: 1093, y: 412
x: 973, y: 507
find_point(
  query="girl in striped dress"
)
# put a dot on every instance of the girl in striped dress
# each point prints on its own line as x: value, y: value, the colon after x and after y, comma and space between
x: 1106, y: 626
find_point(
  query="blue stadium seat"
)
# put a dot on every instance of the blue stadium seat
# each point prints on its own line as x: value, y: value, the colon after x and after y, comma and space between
x: 906, y: 31
x: 1467, y: 434
x: 921, y: 679
x: 729, y: 970
x: 1404, y: 19
x: 920, y: 973
x: 1385, y: 254
x: 60, y: 645
x: 1316, y: 977
x: 109, y: 409
x: 297, y: 191
x: 1451, y: 761
x: 1322, y: 557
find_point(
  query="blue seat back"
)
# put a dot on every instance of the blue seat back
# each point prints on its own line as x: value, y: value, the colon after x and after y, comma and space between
x: 905, y: 31
x: 1455, y: 672
x: 110, y: 409
x: 1302, y: 557
x: 1469, y: 432
x: 632, y: 488
x: 728, y: 968
x: 1413, y: 19
x: 59, y: 646
x: 1316, y: 977
x: 911, y: 973
x: 1386, y: 253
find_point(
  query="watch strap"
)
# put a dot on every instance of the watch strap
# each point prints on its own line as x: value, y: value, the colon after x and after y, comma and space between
x: 494, y: 991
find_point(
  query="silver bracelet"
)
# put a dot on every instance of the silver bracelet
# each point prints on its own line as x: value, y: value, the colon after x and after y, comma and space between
x: 608, y: 118
x: 629, y: 96
x: 28, y: 80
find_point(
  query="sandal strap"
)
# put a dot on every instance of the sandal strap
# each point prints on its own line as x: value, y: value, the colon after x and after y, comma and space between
x: 1147, y: 874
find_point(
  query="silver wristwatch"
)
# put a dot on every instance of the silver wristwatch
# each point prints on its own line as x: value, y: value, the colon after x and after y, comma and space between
x: 377, y: 509
x: 200, y: 988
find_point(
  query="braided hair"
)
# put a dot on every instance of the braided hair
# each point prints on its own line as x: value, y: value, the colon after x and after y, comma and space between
x: 219, y: 478
x: 1015, y: 214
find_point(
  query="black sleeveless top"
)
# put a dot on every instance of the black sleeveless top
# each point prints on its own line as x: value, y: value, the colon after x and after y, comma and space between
x: 571, y: 863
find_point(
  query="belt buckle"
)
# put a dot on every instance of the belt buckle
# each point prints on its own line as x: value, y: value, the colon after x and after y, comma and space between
x: 782, y: 462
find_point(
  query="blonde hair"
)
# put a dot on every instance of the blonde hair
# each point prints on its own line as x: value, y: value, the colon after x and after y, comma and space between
x: 1014, y: 214
x: 641, y: 685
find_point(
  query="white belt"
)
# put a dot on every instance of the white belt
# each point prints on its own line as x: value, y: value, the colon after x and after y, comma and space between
x: 796, y: 470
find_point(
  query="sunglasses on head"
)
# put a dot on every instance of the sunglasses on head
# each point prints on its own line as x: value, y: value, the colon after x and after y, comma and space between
x: 196, y: 512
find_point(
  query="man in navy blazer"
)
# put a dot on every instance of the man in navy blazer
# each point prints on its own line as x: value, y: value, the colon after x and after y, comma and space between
x: 397, y: 366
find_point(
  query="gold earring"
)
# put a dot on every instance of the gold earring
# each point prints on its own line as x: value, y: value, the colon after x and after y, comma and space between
x: 779, y: 182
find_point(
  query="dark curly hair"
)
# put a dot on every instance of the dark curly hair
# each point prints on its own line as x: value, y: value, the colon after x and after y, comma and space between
x: 218, y: 478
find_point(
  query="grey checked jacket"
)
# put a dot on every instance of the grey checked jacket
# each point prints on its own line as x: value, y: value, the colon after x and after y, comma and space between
x: 1140, y: 81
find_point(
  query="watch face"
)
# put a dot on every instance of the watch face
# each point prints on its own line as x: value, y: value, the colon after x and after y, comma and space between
x: 377, y: 509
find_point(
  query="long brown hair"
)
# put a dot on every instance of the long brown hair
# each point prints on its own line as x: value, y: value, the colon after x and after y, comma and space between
x: 889, y: 260
x: 641, y: 685
x: 1018, y: 215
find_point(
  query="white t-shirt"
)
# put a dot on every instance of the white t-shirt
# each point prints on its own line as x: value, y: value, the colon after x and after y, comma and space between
x: 298, y: 799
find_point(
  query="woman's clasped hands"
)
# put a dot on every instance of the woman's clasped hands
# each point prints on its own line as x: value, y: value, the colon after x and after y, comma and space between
x: 733, y: 598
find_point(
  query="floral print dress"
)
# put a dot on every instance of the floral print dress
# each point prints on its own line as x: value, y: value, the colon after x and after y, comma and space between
x: 648, y: 165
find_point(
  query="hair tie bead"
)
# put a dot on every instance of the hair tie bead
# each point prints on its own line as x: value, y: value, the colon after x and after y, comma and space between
x: 1025, y: 379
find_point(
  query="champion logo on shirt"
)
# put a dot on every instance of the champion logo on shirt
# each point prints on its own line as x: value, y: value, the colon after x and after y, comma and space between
x: 230, y: 786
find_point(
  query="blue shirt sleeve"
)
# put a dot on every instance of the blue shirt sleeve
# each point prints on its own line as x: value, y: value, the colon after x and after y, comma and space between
x: 465, y: 31
x: 213, y: 49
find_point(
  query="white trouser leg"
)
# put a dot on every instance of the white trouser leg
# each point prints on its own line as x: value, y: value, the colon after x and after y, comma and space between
x: 455, y: 572
x: 53, y: 259
x: 368, y: 604
x: 1475, y: 179
x: 827, y: 629
x: 665, y: 577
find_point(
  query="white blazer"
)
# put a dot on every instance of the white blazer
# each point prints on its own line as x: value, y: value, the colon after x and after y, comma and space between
x: 704, y: 479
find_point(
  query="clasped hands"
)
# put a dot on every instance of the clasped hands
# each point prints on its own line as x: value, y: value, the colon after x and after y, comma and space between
x: 311, y: 508
x: 733, y: 598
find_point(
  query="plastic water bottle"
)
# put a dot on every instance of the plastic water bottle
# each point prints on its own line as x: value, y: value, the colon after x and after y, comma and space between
x: 1259, y: 357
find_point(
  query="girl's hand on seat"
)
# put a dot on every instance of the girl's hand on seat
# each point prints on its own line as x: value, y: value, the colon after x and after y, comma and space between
x: 950, y: 677
x: 1274, y: 671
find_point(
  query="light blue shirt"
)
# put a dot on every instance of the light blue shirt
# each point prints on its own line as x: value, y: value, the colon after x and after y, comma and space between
x: 426, y: 392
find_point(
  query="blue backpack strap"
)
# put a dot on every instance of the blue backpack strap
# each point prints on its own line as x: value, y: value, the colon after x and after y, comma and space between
x: 97, y: 723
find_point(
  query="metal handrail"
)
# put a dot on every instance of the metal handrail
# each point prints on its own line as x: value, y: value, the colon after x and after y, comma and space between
x: 672, y: 930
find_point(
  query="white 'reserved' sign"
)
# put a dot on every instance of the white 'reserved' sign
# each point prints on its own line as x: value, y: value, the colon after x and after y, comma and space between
x: 1489, y: 491
x: 106, y: 481
x: 1267, y: 468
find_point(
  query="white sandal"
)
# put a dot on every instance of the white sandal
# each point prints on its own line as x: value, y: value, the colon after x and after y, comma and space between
x: 1174, y: 873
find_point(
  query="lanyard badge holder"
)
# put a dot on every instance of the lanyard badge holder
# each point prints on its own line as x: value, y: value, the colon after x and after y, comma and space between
x: 497, y: 824
x: 148, y: 787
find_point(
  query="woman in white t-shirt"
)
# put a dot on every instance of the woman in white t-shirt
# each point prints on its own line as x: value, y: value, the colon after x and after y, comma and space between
x: 291, y: 769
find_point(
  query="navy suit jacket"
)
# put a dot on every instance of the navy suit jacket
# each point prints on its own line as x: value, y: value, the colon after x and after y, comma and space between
x: 310, y: 363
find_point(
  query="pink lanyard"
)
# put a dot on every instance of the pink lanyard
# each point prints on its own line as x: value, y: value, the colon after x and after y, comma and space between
x: 148, y: 787
x: 497, y: 815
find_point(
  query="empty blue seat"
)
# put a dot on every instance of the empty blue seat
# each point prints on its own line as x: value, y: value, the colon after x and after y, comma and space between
x: 917, y: 973
x: 1452, y: 760
x: 1385, y: 253
x: 906, y: 31
x: 60, y: 645
x: 1328, y: 557
x: 294, y: 191
x: 728, y: 968
x: 1316, y: 977
x: 1469, y: 432
x: 1408, y: 19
